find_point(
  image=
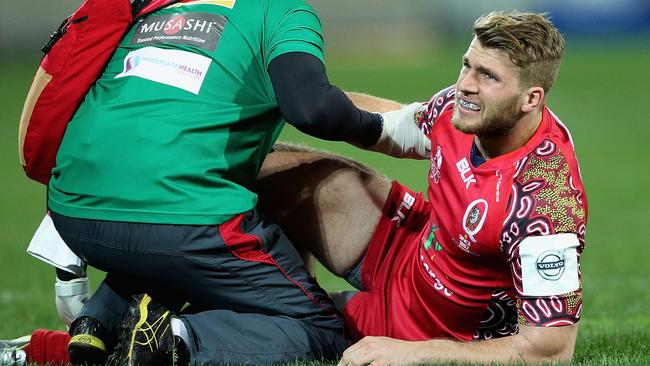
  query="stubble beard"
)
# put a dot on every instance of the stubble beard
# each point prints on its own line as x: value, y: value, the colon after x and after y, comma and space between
x: 496, y: 121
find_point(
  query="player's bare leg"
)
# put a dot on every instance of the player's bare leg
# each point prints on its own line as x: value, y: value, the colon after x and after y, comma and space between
x: 326, y: 204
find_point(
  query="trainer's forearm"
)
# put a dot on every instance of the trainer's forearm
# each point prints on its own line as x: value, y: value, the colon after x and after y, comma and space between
x: 372, y: 103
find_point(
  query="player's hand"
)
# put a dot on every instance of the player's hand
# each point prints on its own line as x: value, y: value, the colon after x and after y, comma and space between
x: 401, y: 137
x: 380, y: 351
x: 70, y: 297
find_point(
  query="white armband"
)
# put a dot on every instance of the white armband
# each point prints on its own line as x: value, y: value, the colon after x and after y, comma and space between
x: 549, y: 264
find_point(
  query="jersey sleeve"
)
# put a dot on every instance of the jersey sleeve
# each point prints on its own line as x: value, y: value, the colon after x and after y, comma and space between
x: 439, y: 103
x: 543, y: 238
x: 292, y: 26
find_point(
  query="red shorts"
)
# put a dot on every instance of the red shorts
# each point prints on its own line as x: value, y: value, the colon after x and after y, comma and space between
x: 393, y: 243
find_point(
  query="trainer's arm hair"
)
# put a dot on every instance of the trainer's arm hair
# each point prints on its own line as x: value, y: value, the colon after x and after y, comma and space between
x: 372, y: 103
x: 532, y: 345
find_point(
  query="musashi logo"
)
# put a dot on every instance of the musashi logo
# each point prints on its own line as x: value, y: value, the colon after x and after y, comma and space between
x: 174, y: 25
x: 550, y: 264
x: 202, y: 30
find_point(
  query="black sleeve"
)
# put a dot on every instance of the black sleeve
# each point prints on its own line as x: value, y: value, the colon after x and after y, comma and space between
x: 310, y: 103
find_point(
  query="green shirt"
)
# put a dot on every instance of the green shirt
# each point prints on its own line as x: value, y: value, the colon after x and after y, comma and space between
x: 178, y: 125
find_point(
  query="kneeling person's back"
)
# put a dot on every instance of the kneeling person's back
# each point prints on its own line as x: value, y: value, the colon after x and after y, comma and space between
x: 179, y: 123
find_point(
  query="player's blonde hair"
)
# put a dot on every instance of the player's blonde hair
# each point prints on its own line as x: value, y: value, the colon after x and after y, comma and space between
x: 530, y: 40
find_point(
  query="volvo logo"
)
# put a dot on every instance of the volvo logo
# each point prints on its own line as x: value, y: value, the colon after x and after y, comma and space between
x: 550, y: 264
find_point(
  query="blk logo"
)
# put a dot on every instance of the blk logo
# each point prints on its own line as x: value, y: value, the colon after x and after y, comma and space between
x: 465, y: 172
x: 404, y: 207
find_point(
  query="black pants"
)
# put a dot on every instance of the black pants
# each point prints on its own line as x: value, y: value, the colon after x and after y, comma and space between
x: 253, y: 300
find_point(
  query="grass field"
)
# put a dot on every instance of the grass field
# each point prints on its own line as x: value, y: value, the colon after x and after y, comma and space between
x: 601, y: 96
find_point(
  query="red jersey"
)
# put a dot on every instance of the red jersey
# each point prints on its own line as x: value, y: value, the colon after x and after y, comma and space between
x: 506, y: 233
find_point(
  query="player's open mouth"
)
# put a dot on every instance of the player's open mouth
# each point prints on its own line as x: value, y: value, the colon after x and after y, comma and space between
x: 469, y: 106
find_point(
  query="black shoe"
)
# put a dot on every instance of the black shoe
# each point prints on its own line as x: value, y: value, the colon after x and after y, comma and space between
x: 146, y: 336
x: 87, y: 345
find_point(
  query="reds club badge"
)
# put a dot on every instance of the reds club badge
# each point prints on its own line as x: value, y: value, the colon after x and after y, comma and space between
x: 436, y: 163
x: 474, y: 217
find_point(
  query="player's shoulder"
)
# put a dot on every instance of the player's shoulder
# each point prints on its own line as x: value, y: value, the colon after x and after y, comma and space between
x: 547, y: 198
x: 439, y: 103
x: 552, y: 158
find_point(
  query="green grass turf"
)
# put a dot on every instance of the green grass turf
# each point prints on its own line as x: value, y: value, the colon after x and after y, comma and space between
x: 601, y: 95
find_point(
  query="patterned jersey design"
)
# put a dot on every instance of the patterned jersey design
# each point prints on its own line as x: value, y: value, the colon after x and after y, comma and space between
x: 500, y: 318
x: 544, y: 201
x: 439, y: 103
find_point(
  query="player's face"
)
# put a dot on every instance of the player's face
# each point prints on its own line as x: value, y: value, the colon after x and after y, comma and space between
x: 488, y: 96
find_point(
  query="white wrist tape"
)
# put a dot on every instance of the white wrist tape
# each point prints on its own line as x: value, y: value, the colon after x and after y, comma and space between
x: 401, y: 137
x: 78, y: 286
x: 70, y: 297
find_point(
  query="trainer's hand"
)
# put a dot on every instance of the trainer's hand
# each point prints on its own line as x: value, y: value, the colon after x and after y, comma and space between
x: 401, y: 137
x: 70, y: 297
x: 380, y: 351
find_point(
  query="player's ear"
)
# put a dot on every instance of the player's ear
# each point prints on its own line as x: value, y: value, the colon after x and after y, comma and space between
x: 533, y: 99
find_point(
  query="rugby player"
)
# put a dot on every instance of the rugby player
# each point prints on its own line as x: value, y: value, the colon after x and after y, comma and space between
x: 494, y: 255
x: 485, y: 271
